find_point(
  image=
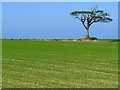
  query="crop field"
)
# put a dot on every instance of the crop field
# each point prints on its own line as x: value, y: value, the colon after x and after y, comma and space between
x: 55, y: 64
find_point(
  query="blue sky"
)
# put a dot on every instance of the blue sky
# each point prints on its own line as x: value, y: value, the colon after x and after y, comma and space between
x: 48, y: 20
x: 0, y: 20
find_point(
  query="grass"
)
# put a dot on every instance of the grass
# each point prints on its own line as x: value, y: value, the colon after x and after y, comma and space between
x: 0, y: 64
x: 45, y: 64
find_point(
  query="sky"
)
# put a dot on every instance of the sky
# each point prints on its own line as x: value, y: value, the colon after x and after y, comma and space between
x: 0, y: 20
x: 60, y: 0
x: 52, y: 20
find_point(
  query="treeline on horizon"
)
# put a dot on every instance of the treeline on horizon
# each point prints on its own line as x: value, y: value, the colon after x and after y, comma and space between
x: 111, y: 40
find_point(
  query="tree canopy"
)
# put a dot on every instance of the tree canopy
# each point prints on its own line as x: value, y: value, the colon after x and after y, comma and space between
x: 89, y: 17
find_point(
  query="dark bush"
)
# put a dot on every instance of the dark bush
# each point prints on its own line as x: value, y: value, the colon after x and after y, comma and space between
x: 115, y: 40
x: 93, y: 38
x: 56, y: 40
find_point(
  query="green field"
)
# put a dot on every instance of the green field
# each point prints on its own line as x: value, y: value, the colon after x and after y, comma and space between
x: 50, y: 64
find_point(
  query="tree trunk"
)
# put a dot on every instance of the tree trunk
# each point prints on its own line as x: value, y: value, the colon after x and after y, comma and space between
x: 87, y: 34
